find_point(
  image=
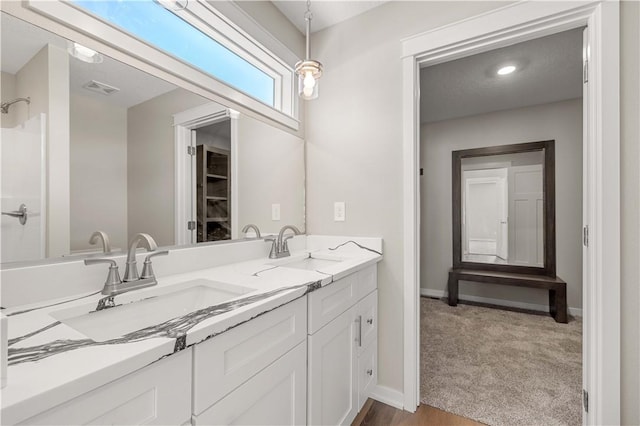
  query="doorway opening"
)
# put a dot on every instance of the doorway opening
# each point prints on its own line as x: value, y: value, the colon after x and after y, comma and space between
x: 601, y: 269
x: 212, y: 186
x: 495, y: 220
x: 206, y: 167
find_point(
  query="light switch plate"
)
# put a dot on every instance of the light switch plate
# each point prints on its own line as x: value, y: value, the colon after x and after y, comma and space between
x: 275, y: 211
x: 339, y: 211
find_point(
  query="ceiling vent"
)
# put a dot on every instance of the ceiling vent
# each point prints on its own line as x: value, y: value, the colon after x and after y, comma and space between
x: 103, y: 89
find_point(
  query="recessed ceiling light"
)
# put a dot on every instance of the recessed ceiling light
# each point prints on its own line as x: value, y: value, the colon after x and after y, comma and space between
x: 506, y: 70
x: 83, y: 53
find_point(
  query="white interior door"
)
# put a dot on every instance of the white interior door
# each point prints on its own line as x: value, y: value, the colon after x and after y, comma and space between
x: 502, y: 248
x: 526, y: 213
x: 485, y: 212
x: 22, y: 156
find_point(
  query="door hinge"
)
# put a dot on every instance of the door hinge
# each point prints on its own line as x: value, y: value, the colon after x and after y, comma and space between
x: 585, y: 400
x: 191, y: 225
x: 191, y: 150
x: 585, y: 71
x: 585, y: 236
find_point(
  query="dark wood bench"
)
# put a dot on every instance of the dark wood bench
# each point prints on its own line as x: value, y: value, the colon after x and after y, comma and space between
x: 556, y: 286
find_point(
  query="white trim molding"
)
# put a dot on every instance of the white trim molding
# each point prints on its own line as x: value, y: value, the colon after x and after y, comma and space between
x: 526, y: 20
x: 387, y: 396
x: 439, y: 294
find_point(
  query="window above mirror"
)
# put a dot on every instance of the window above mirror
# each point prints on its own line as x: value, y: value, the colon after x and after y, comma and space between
x: 194, y: 44
x: 156, y: 24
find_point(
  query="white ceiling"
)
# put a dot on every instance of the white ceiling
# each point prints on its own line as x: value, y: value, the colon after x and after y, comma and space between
x: 549, y: 70
x: 325, y: 12
x: 21, y: 41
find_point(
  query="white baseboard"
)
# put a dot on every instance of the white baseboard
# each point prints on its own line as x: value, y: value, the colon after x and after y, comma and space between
x: 388, y: 396
x: 577, y: 312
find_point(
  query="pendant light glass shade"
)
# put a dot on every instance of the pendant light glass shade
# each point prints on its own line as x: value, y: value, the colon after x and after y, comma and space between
x: 309, y: 71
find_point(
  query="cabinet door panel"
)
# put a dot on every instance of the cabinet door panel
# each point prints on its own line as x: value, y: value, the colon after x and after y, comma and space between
x: 327, y: 303
x: 159, y: 394
x: 332, y: 396
x: 223, y: 363
x: 367, y: 372
x: 274, y: 396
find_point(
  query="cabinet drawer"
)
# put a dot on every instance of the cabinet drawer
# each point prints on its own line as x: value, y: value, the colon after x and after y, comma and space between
x: 367, y: 372
x: 367, y: 280
x: 367, y: 316
x: 224, y: 362
x: 274, y: 396
x: 328, y: 302
x: 159, y: 394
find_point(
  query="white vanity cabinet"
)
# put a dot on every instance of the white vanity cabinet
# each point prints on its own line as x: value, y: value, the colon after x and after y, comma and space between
x: 159, y: 394
x: 274, y: 396
x: 312, y: 360
x: 254, y: 373
x: 342, y: 367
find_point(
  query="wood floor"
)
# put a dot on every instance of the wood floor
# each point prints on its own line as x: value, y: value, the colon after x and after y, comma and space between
x: 376, y: 413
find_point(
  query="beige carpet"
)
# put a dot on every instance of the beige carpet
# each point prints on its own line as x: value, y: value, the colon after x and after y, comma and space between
x: 500, y: 367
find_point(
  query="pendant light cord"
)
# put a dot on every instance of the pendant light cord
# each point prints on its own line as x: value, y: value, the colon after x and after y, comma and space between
x: 307, y: 17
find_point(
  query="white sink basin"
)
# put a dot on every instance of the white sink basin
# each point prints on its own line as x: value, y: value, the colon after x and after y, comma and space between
x: 311, y: 262
x: 155, y: 308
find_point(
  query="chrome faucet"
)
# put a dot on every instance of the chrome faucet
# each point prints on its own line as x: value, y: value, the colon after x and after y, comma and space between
x: 254, y: 227
x: 279, y: 245
x: 114, y: 285
x: 131, y: 270
x: 101, y: 235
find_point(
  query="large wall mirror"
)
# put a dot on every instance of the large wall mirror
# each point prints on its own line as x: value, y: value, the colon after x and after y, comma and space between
x: 92, y: 144
x: 504, y: 208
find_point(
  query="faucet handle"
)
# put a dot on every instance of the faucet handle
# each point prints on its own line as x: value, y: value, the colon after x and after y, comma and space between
x: 147, y: 269
x: 285, y: 245
x: 274, y: 242
x: 114, y: 276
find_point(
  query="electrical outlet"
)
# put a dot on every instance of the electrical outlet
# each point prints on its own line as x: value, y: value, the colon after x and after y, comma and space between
x: 275, y: 211
x: 338, y: 211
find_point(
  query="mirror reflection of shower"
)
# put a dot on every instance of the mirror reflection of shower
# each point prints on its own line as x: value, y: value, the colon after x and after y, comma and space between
x: 4, y: 107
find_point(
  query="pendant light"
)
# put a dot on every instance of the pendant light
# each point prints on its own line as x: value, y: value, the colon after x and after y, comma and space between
x: 309, y: 71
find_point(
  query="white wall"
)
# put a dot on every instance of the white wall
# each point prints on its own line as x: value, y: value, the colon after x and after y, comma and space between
x: 273, y: 21
x: 270, y: 171
x: 151, y: 164
x: 354, y: 144
x: 98, y: 171
x: 561, y: 121
x: 354, y: 153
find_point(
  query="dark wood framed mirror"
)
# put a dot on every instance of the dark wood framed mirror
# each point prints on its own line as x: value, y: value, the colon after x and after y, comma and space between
x: 504, y: 208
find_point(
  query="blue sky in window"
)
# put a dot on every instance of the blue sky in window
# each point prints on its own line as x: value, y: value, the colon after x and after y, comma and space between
x: 153, y: 23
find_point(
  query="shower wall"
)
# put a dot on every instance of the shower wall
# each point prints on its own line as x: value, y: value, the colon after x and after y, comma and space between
x: 23, y: 182
x: 45, y: 80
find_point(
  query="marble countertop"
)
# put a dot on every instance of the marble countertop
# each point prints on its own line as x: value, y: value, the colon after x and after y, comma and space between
x: 49, y: 362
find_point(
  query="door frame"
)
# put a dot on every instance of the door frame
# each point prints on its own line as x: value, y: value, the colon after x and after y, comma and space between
x: 601, y: 282
x: 185, y: 172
